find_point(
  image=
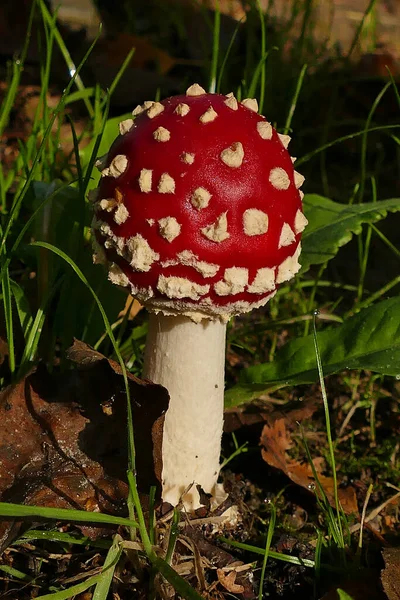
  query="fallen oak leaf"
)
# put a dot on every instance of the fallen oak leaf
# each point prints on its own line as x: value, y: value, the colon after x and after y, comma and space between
x: 228, y: 582
x: 220, y: 558
x: 113, y: 51
x: 253, y: 413
x: 275, y: 441
x: 60, y: 449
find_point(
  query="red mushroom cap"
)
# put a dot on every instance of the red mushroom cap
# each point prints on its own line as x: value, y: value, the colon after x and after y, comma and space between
x: 198, y: 207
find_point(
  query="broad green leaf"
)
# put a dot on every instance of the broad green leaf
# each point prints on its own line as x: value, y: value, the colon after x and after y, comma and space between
x: 332, y: 225
x: 368, y: 340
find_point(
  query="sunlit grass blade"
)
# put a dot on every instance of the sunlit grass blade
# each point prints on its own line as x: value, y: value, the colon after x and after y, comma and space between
x: 343, y: 138
x: 118, y: 76
x: 93, y: 156
x: 364, y: 139
x: 8, y: 317
x: 318, y: 553
x: 63, y: 538
x: 9, y: 100
x: 360, y: 27
x: 226, y: 57
x: 107, y: 573
x: 110, y: 333
x: 364, y: 247
x: 293, y: 560
x: 17, y: 69
x: 16, y: 573
x: 27, y: 225
x: 296, y: 94
x: 73, y: 591
x: 133, y: 496
x: 215, y: 49
x: 173, y: 535
x: 79, y: 95
x: 270, y: 533
x: 21, y: 195
x: 79, y: 172
x: 252, y: 90
x: 339, y: 511
x: 342, y: 595
x: 152, y: 514
x: 261, y: 96
x: 23, y: 308
x: 47, y: 18
x: 36, y: 329
x: 8, y: 510
x: 322, y: 500
x: 395, y: 86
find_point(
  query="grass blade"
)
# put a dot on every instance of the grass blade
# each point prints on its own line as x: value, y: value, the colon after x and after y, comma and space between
x: 179, y: 584
x: 15, y: 573
x: 364, y: 139
x: 227, y: 53
x: 271, y: 527
x: 8, y: 510
x: 120, y: 73
x: 357, y: 35
x: 296, y: 94
x: 293, y: 560
x: 23, y: 308
x: 8, y: 317
x: 63, y: 538
x: 72, y: 591
x: 215, y: 49
x: 263, y: 52
x: 106, y: 576
x: 47, y: 18
x: 343, y: 138
x: 35, y: 331
x: 328, y: 432
x: 18, y: 66
x: 19, y: 198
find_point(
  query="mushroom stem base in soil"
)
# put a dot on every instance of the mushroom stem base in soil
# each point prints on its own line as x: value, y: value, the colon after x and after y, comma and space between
x: 188, y: 359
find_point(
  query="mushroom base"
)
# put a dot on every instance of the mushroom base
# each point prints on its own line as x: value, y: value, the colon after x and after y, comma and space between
x: 188, y: 359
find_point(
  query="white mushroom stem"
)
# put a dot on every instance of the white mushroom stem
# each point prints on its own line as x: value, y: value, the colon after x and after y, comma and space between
x: 188, y: 359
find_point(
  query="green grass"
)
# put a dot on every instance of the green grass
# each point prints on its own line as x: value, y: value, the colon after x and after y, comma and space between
x: 45, y: 229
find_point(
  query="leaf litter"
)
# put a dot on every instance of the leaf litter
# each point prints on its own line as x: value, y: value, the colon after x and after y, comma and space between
x: 65, y: 443
x: 276, y: 441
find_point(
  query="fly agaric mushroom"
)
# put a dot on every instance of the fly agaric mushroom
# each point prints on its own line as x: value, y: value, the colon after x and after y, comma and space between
x: 198, y: 212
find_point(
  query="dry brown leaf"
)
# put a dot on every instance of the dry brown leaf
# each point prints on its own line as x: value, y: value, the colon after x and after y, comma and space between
x: 132, y: 307
x: 258, y: 413
x: 236, y: 9
x: 60, y: 448
x: 220, y: 559
x: 228, y: 582
x: 390, y: 576
x: 275, y: 441
x: 3, y: 350
x: 115, y: 50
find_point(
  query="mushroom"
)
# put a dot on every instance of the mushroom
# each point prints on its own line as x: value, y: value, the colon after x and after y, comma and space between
x: 198, y: 213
